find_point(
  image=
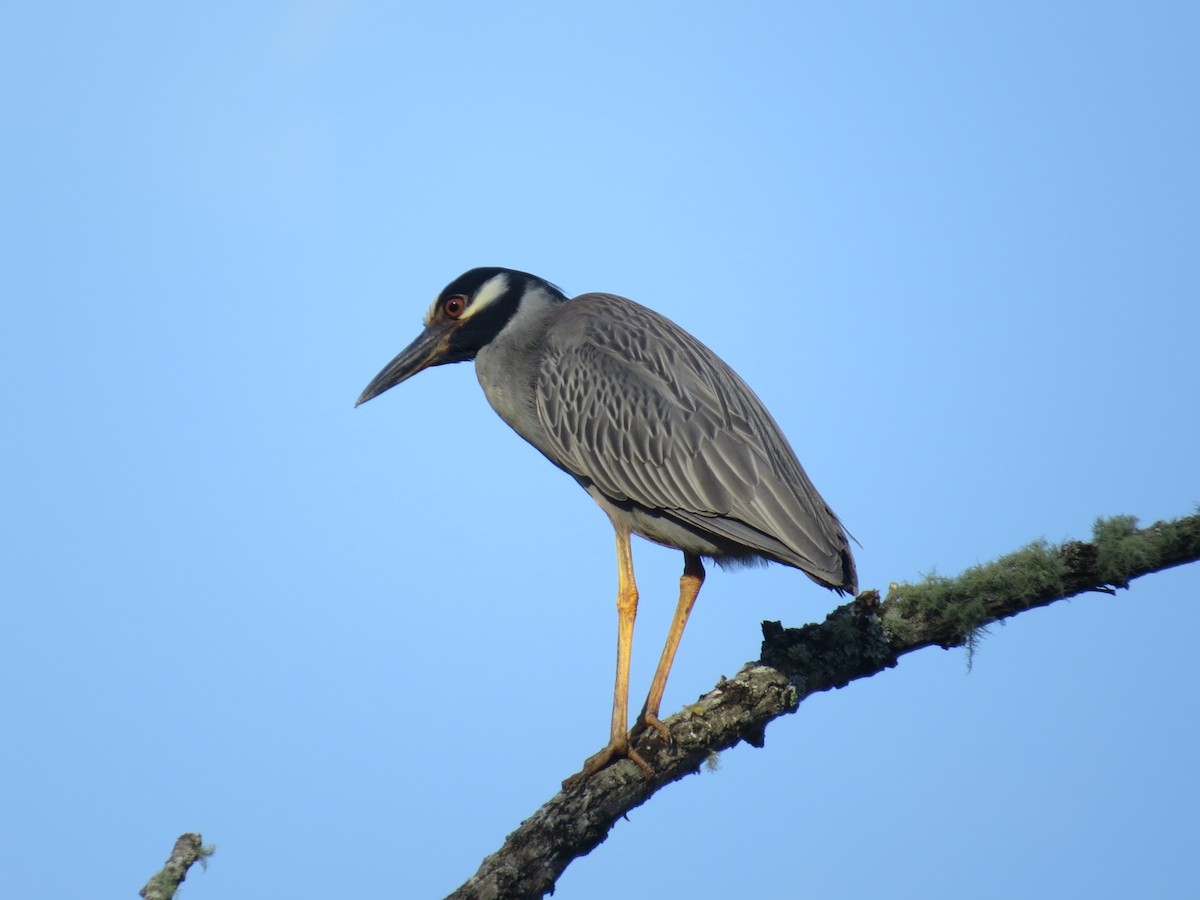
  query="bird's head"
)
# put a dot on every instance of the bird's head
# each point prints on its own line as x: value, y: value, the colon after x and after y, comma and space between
x: 466, y: 316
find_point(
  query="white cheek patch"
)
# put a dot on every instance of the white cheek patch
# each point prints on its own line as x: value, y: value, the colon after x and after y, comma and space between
x: 492, y: 289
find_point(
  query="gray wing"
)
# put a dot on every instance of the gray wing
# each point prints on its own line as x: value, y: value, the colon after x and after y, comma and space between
x: 648, y: 414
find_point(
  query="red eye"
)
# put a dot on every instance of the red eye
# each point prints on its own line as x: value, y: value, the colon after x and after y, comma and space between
x: 453, y: 306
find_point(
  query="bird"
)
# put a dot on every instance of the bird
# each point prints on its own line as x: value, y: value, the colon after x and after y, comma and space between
x: 666, y: 438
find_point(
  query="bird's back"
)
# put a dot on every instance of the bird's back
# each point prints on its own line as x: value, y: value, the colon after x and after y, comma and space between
x: 642, y: 413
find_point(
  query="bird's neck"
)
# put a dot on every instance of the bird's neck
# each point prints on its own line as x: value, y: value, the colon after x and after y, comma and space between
x: 527, y: 327
x: 507, y: 367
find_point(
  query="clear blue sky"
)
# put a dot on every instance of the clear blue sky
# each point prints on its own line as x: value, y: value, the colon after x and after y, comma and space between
x: 953, y: 247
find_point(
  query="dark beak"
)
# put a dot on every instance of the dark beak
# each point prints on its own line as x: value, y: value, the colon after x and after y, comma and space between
x: 431, y: 348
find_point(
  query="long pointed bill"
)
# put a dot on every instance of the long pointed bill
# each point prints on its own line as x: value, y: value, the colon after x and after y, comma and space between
x: 429, y: 349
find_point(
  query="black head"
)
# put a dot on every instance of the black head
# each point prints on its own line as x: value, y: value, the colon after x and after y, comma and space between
x: 466, y: 316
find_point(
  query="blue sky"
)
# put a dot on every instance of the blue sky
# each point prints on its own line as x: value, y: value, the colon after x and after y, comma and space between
x: 952, y: 246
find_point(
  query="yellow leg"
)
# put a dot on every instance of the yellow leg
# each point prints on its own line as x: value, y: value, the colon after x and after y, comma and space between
x: 689, y: 587
x: 618, y: 742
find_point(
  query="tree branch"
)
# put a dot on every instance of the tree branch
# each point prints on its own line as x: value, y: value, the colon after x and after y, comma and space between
x: 164, y: 883
x: 856, y: 640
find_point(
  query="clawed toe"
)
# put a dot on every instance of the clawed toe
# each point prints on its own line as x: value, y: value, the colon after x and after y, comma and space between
x: 649, y: 720
x: 614, y: 751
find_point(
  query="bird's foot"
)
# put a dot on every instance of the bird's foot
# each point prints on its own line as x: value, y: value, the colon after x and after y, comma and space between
x: 649, y: 720
x: 615, y: 750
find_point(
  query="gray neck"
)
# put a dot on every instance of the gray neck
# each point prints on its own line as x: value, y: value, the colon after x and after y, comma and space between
x: 507, y: 367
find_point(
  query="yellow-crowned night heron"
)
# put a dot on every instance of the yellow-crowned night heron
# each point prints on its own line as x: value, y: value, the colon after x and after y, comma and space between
x: 664, y: 435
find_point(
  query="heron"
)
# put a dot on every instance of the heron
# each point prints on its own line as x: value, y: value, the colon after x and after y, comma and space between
x: 667, y: 439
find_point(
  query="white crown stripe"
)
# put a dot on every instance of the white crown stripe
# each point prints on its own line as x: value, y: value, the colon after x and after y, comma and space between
x: 492, y: 289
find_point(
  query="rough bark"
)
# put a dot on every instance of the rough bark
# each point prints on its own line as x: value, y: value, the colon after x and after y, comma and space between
x: 164, y: 883
x: 856, y: 640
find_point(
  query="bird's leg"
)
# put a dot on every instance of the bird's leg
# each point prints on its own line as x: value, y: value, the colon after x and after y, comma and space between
x: 689, y: 587
x: 618, y: 742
